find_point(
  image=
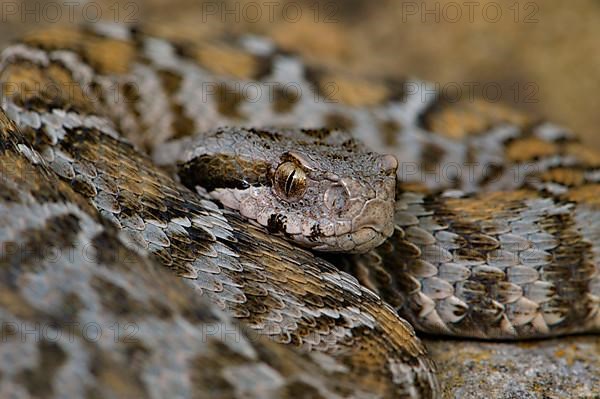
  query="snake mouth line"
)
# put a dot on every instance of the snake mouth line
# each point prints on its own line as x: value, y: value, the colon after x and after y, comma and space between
x: 359, y: 241
x: 373, y: 238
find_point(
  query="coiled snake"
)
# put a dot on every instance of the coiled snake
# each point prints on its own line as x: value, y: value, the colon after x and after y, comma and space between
x: 491, y: 231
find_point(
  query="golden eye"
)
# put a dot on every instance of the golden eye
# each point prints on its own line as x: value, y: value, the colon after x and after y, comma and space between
x: 290, y: 180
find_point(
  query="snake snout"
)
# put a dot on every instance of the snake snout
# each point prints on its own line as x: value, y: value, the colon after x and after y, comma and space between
x: 371, y: 209
x: 377, y: 216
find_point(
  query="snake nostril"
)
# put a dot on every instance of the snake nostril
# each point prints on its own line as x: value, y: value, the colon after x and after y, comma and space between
x: 388, y: 164
x: 336, y: 198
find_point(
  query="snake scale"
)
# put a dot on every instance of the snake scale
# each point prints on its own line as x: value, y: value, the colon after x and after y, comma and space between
x: 114, y: 150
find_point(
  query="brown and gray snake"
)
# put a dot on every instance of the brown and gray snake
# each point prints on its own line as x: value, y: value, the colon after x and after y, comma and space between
x: 162, y: 192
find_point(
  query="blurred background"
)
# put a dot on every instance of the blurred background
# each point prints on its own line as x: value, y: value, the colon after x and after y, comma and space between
x: 541, y: 56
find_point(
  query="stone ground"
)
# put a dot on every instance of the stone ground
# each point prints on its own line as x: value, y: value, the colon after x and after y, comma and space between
x: 543, y: 56
x: 568, y: 367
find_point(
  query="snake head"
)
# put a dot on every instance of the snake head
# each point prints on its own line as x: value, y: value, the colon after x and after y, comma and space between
x: 317, y: 188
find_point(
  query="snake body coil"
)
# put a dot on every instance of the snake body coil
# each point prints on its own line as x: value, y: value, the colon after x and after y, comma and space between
x: 464, y: 257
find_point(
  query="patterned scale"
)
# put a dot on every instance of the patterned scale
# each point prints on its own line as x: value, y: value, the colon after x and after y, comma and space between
x: 499, y: 265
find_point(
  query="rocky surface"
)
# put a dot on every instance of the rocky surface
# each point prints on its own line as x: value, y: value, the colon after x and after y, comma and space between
x: 567, y: 367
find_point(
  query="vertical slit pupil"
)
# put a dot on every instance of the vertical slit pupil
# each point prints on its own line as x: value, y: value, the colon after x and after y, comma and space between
x: 289, y: 182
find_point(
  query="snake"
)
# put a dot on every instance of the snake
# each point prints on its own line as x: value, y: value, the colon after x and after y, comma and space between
x: 223, y: 220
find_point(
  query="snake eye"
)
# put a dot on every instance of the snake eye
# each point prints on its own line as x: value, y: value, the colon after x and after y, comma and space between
x: 290, y: 180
